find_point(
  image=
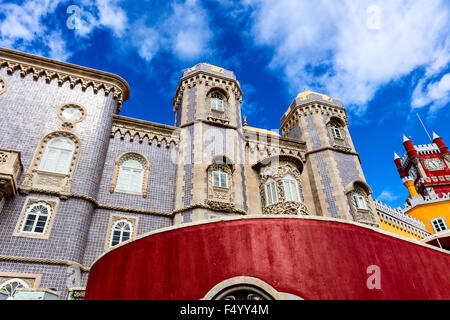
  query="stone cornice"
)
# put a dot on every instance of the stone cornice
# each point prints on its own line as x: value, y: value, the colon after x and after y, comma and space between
x: 334, y: 149
x: 214, y: 80
x: 62, y: 71
x: 310, y: 107
x: 43, y: 261
x: 142, y: 128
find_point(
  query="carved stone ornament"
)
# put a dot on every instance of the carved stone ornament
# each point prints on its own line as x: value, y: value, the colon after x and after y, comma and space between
x: 10, y: 168
x: 220, y: 198
x: 243, y: 292
x: 3, y: 85
x: 53, y: 181
x: 216, y: 115
x: 277, y: 172
x: 72, y: 112
x: 362, y: 215
x: 131, y: 156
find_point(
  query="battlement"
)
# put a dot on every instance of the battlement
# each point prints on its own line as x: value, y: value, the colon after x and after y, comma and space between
x: 427, y: 148
x: 398, y: 215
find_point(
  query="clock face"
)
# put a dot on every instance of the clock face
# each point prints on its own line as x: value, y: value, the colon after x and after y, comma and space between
x: 434, y: 164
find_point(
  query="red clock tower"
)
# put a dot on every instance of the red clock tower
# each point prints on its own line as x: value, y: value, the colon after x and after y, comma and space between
x: 425, y: 169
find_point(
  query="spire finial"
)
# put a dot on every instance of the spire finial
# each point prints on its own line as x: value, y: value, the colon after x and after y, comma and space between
x: 435, y: 136
x: 405, y: 138
x: 245, y: 121
x: 396, y: 156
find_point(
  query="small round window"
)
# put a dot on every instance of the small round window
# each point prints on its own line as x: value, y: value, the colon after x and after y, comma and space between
x: 73, y: 113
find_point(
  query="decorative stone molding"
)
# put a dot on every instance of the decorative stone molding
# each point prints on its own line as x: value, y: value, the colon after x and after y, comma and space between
x: 228, y: 85
x: 43, y: 261
x: 134, y: 221
x: 144, y: 129
x: 3, y: 85
x: 257, y: 287
x: 131, y: 156
x: 220, y: 198
x: 277, y: 172
x: 296, y: 112
x: 10, y: 169
x: 77, y: 293
x: 29, y: 202
x: 366, y: 216
x: 75, y: 106
x: 51, y: 180
x: 33, y: 280
x: 51, y: 69
x: 216, y: 115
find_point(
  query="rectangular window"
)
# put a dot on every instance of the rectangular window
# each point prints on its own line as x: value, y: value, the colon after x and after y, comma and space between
x: 439, y: 224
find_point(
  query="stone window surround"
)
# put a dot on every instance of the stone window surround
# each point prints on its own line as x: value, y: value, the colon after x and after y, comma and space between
x: 218, y: 194
x: 113, y: 218
x: 77, y: 106
x: 145, y: 165
x: 29, y: 202
x: 363, y: 189
x: 336, y: 122
x: 33, y: 280
x: 277, y: 174
x: 35, y: 176
x: 218, y: 114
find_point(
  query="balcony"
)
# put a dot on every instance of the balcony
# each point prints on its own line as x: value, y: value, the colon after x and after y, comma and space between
x: 10, y: 169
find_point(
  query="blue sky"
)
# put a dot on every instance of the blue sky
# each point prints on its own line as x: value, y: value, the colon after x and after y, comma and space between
x: 385, y: 60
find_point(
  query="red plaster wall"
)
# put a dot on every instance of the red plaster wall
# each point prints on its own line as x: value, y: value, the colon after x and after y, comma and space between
x: 312, y: 259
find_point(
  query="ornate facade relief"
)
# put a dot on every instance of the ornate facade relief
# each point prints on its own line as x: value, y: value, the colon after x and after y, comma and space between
x: 131, y: 156
x: 36, y: 177
x: 144, y: 129
x: 363, y: 214
x: 220, y: 115
x: 220, y: 198
x: 277, y: 171
x: 10, y: 169
x: 3, y: 85
x: 42, y: 67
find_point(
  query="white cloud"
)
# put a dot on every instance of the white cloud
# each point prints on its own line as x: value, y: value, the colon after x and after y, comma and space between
x: 112, y: 16
x: 360, y: 48
x: 436, y: 94
x: 187, y: 29
x: 387, y: 196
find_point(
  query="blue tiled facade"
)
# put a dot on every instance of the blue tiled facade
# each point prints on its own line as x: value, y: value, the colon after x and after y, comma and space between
x: 79, y: 232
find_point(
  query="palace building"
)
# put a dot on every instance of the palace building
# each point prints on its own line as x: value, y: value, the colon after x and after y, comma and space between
x: 102, y: 206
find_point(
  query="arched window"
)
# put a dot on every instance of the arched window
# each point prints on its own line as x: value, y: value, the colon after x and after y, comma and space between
x: 271, y: 192
x: 220, y: 178
x: 10, y: 286
x: 360, y: 200
x: 291, y: 192
x: 131, y: 176
x: 58, y: 155
x: 336, y: 131
x: 121, y: 231
x: 217, y: 102
x: 36, y: 218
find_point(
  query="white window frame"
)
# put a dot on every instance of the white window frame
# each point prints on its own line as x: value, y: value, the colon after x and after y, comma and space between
x: 46, y: 164
x: 217, y: 102
x: 290, y: 186
x: 36, y: 219
x: 135, y: 176
x: 441, y: 224
x: 222, y: 178
x: 270, y: 188
x: 22, y: 284
x: 359, y: 198
x: 336, y: 132
x: 113, y: 229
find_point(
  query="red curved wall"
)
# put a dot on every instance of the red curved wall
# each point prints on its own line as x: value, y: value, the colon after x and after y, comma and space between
x: 312, y: 259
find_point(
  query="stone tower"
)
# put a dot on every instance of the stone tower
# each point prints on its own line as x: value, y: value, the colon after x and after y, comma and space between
x: 207, y: 113
x: 338, y: 186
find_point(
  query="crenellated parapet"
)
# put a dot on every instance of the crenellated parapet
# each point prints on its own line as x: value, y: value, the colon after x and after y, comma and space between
x: 143, y: 129
x: 65, y: 72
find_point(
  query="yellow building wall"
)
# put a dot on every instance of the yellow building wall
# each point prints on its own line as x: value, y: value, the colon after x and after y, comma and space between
x: 429, y: 211
x: 397, y: 230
